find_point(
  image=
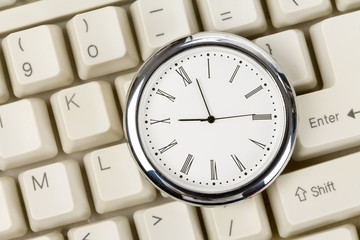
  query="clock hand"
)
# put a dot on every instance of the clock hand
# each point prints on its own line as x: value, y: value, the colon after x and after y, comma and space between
x: 193, y: 119
x: 202, y: 95
x: 211, y: 118
x: 235, y: 116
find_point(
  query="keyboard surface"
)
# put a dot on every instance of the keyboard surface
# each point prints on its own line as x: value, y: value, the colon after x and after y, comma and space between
x: 66, y: 171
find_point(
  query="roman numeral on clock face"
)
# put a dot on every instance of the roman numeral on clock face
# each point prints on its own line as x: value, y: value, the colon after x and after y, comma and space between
x: 213, y: 169
x: 167, y: 147
x: 165, y: 94
x: 253, y: 92
x: 262, y: 117
x: 238, y: 163
x: 154, y: 121
x: 261, y: 145
x: 185, y: 77
x: 187, y: 164
x: 234, y: 73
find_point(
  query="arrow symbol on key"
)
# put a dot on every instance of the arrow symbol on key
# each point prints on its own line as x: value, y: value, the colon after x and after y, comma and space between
x: 85, y: 238
x: 158, y: 219
x: 300, y: 193
x: 352, y: 113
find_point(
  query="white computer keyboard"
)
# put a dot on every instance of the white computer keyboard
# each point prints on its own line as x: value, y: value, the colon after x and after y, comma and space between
x: 65, y: 169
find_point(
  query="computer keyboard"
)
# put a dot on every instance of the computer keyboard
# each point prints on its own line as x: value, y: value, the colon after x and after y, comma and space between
x: 66, y: 171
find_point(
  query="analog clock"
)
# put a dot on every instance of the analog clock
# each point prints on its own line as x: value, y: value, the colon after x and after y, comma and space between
x: 211, y: 119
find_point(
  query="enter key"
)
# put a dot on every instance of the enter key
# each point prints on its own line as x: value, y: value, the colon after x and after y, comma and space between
x: 305, y: 199
x: 329, y: 119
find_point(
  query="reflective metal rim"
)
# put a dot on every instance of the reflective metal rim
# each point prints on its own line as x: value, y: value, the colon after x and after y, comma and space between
x: 207, y: 39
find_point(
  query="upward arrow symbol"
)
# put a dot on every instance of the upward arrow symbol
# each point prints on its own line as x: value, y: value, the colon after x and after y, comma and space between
x: 158, y: 219
x: 301, y: 194
x: 85, y: 238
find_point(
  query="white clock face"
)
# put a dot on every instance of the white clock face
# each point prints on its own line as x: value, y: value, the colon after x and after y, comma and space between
x: 211, y: 119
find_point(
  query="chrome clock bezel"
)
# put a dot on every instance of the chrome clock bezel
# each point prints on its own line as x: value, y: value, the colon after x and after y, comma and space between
x: 132, y: 130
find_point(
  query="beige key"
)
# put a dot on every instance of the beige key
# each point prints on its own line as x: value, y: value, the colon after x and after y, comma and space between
x: 4, y: 93
x: 345, y: 232
x: 54, y: 195
x: 245, y: 220
x: 117, y: 228
x: 55, y: 9
x: 12, y: 221
x: 345, y: 5
x: 329, y: 119
x: 289, y: 12
x: 175, y: 221
x: 122, y: 84
x: 25, y: 133
x: 5, y: 3
x: 316, y: 196
x: 290, y: 50
x: 245, y: 17
x: 37, y: 60
x: 158, y: 22
x: 86, y: 116
x: 111, y: 165
x: 102, y: 42
x: 49, y: 236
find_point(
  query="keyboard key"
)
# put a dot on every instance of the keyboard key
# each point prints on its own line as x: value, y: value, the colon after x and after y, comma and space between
x: 345, y: 5
x: 25, y: 133
x: 316, y: 196
x: 102, y: 42
x: 158, y: 22
x: 175, y: 221
x: 290, y: 12
x: 327, y: 124
x: 12, y: 222
x: 290, y: 50
x: 345, y: 232
x: 45, y: 11
x: 244, y: 17
x: 54, y: 195
x: 5, y: 3
x: 117, y: 228
x: 226, y: 222
x: 50, y: 236
x: 37, y: 60
x: 86, y: 116
x: 4, y: 93
x: 115, y: 164
x: 122, y: 84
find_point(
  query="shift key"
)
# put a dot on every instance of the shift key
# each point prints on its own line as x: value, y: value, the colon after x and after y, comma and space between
x: 316, y: 196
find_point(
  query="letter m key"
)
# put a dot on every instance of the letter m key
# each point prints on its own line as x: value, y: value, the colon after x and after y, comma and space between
x: 44, y: 182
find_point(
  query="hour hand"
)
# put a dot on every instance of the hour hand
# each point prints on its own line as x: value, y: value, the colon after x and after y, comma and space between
x: 193, y: 119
